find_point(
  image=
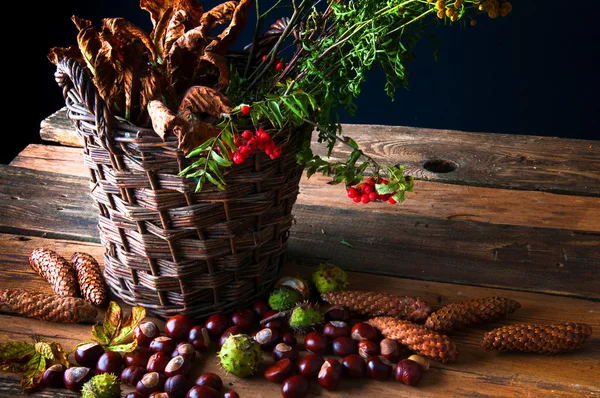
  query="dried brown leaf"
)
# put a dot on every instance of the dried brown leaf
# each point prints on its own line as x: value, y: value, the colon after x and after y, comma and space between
x: 89, y: 42
x: 160, y: 30
x: 56, y: 54
x: 203, y: 99
x: 132, y: 71
x: 81, y: 23
x: 196, y: 132
x: 106, y: 74
x: 121, y: 28
x: 164, y: 121
x: 221, y: 63
x: 218, y: 15
x: 175, y: 30
x: 225, y: 40
x: 158, y: 9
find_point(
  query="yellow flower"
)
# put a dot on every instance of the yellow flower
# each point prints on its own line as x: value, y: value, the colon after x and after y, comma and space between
x: 454, y: 17
x: 505, y: 8
x: 493, y: 14
x: 440, y: 4
x: 458, y: 4
x: 440, y: 14
x: 450, y: 12
x: 473, y: 22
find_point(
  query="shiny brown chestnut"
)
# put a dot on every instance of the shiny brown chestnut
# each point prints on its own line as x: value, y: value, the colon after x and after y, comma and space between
x: 260, y: 308
x: 354, y: 366
x: 367, y: 348
x: 363, y: 331
x: 185, y: 349
x: 203, y: 392
x: 160, y: 395
x: 344, y: 346
x: 294, y: 387
x: 177, y: 386
x: 158, y: 362
x: 135, y: 394
x: 316, y: 343
x: 290, y: 340
x: 310, y: 364
x: 199, y: 338
x: 145, y: 332
x: 162, y: 344
x: 178, y: 327
x: 337, y: 313
x: 267, y: 338
x: 132, y: 374
x: 217, y: 324
x: 210, y: 380
x: 409, y: 372
x: 151, y: 382
x: 335, y: 329
x: 274, y: 324
x: 87, y: 355
x: 279, y: 371
x: 390, y: 350
x: 74, y: 378
x: 231, y: 394
x: 53, y: 376
x: 283, y: 350
x: 138, y: 357
x: 227, y: 333
x: 329, y: 377
x: 378, y: 368
x: 109, y: 362
x: 178, y: 365
x: 244, y: 318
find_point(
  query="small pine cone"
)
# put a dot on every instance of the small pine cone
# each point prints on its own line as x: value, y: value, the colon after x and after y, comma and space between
x: 380, y: 304
x: 470, y: 312
x: 417, y: 338
x: 91, y: 282
x: 48, y: 307
x: 56, y: 270
x: 542, y: 339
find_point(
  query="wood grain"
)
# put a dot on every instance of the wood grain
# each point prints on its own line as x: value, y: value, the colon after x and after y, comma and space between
x: 511, y: 161
x: 430, y: 199
x: 477, y: 371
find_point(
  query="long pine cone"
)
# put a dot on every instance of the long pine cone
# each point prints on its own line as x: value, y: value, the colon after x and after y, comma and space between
x: 89, y: 275
x: 538, y: 338
x: 48, y: 307
x: 470, y: 312
x: 380, y: 304
x: 54, y: 269
x: 417, y: 338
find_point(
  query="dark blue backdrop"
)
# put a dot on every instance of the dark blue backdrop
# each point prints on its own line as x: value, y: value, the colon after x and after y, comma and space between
x: 534, y: 72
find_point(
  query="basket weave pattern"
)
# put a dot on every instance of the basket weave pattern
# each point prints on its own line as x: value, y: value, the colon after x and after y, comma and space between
x: 167, y: 247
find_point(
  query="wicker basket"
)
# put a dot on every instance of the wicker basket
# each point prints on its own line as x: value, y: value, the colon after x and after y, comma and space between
x: 166, y: 247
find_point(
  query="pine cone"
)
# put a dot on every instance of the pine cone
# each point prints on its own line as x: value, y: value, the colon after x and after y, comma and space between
x: 91, y: 282
x: 56, y: 270
x: 380, y: 304
x: 542, y: 339
x: 48, y: 307
x: 417, y: 338
x: 470, y: 312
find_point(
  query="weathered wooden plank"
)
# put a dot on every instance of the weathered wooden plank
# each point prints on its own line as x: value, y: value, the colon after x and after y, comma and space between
x: 476, y: 371
x: 430, y: 199
x: 560, y: 261
x: 547, y: 164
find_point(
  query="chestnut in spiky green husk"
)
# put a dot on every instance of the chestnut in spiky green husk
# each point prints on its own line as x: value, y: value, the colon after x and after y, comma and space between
x: 240, y: 355
x: 305, y: 316
x: 294, y: 283
x: 284, y: 299
x: 105, y: 385
x: 329, y: 278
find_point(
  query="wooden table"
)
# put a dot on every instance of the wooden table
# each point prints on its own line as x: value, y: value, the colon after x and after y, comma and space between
x: 518, y: 217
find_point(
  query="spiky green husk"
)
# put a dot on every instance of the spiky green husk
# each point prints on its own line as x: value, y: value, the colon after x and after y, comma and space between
x: 304, y: 317
x: 240, y: 355
x: 284, y: 299
x: 102, y: 386
x: 329, y: 278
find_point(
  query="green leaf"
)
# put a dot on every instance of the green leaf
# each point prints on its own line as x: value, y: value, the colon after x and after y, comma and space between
x: 129, y: 347
x: 351, y: 142
x: 99, y: 336
x: 399, y: 196
x: 15, y: 350
x: 215, y: 181
x: 276, y: 113
x: 138, y: 313
x: 112, y: 320
x: 220, y: 160
x: 343, y: 242
x: 384, y: 189
x: 13, y: 367
x: 35, y: 370
x: 60, y: 354
x: 202, y: 148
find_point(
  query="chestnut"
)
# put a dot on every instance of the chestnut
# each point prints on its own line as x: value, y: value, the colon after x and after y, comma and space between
x: 390, y: 350
x: 294, y: 387
x: 244, y: 318
x: 203, y: 392
x: 290, y: 340
x: 227, y: 333
x: 267, y: 338
x: 275, y: 323
x: 162, y: 344
x: 178, y: 327
x: 132, y: 374
x: 217, y: 324
x: 354, y: 366
x: 199, y: 338
x: 151, y: 382
x: 177, y: 386
x: 329, y: 377
x: 74, y: 378
x: 178, y: 365
x: 260, y: 308
x: 185, y: 349
x: 335, y: 364
x: 316, y: 343
x: 210, y: 380
x: 135, y: 394
x: 335, y: 329
x: 422, y: 361
x: 158, y: 362
x: 344, y: 346
x: 409, y: 372
x: 283, y: 350
x: 109, y: 362
x: 231, y: 394
x: 138, y: 357
x: 378, y: 368
x: 367, y: 348
x: 87, y: 355
x: 53, y: 376
x: 279, y: 371
x: 337, y: 313
x: 364, y: 331
x: 310, y: 364
x: 145, y: 332
x: 159, y: 395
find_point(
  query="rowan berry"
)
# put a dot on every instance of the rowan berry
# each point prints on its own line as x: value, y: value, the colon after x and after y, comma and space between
x: 264, y: 57
x: 368, y: 189
x: 392, y: 201
x: 245, y: 109
x: 280, y: 66
x: 365, y: 198
x: 371, y: 181
x: 356, y: 199
x: 247, y: 135
x: 352, y: 192
x: 238, y: 158
x: 372, y: 196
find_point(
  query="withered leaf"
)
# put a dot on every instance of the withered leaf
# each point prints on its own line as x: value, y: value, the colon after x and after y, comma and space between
x: 80, y: 23
x: 175, y: 30
x: 106, y: 73
x: 196, y: 132
x: 220, y: 62
x: 98, y: 335
x: 56, y: 54
x: 238, y: 21
x: 163, y: 120
x: 160, y: 30
x: 35, y: 370
x: 203, y: 99
x: 60, y: 355
x: 112, y: 320
x: 132, y: 71
x: 121, y: 27
x: 45, y: 349
x: 138, y: 313
x: 218, y: 15
x: 158, y: 8
x: 14, y: 350
x: 89, y: 43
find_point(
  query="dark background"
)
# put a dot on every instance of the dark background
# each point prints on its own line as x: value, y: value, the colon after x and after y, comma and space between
x: 534, y: 72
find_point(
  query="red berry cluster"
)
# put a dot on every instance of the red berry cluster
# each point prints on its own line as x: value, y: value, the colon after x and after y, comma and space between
x: 280, y: 65
x: 247, y: 143
x: 365, y: 192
